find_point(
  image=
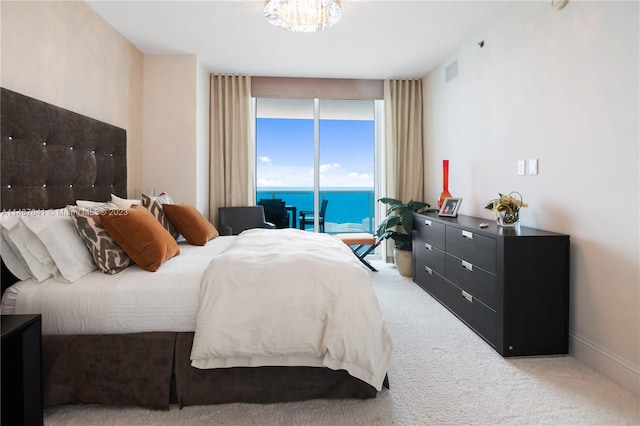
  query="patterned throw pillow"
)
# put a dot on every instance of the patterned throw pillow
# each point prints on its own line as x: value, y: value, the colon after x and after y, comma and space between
x: 108, y: 255
x: 154, y: 204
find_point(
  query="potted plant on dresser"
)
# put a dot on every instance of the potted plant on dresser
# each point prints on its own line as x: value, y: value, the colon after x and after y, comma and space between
x: 398, y: 226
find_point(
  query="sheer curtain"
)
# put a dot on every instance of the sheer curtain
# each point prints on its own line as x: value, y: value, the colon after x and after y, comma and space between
x: 404, y: 162
x: 230, y: 136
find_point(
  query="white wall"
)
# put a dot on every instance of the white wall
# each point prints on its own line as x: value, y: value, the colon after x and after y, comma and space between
x: 561, y: 86
x: 65, y: 54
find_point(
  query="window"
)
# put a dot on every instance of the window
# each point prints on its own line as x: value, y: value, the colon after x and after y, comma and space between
x: 311, y: 150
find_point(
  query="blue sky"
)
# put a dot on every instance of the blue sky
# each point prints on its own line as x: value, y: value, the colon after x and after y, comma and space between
x: 285, y: 153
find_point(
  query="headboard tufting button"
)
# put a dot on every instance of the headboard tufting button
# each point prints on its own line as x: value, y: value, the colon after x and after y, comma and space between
x: 10, y: 138
x: 111, y: 155
x: 70, y: 185
x: 44, y: 185
x: 71, y: 148
x: 44, y: 143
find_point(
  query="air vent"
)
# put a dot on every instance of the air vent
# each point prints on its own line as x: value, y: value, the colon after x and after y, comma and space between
x: 451, y: 71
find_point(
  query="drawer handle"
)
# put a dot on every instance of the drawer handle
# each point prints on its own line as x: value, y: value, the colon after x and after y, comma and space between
x: 468, y: 266
x: 427, y: 222
x: 468, y: 235
x: 427, y: 246
x: 428, y: 270
x: 467, y: 296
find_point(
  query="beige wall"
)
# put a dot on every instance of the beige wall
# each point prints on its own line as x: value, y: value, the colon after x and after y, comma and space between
x: 202, y: 140
x: 561, y: 86
x: 169, y: 122
x: 65, y: 54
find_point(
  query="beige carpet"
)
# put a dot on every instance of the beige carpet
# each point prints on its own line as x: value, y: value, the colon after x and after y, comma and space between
x: 441, y: 374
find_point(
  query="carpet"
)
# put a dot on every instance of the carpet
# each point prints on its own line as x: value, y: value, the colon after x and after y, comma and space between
x: 441, y: 373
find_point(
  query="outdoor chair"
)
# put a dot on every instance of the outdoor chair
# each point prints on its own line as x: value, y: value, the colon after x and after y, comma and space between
x: 275, y: 211
x: 307, y: 217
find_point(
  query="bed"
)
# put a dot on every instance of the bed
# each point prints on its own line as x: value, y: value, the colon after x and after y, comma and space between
x: 117, y: 348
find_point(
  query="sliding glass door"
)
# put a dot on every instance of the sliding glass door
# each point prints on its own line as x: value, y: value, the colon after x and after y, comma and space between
x: 318, y: 157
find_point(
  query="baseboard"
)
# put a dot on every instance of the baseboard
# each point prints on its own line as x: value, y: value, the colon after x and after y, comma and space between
x: 611, y: 365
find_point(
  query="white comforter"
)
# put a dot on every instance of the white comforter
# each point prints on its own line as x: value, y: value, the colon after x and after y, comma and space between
x: 290, y: 298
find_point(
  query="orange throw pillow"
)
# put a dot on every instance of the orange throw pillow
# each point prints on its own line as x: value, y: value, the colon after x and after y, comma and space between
x: 141, y: 236
x: 194, y: 227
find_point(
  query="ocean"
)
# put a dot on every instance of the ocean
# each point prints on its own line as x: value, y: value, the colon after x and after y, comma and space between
x: 348, y: 209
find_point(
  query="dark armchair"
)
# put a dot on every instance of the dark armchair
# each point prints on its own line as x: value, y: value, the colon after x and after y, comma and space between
x: 234, y: 220
x: 307, y: 217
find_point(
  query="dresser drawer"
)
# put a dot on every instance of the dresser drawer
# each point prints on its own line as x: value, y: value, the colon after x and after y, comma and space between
x: 428, y: 255
x: 434, y: 284
x: 472, y: 247
x: 474, y: 280
x: 429, y: 231
x: 475, y: 314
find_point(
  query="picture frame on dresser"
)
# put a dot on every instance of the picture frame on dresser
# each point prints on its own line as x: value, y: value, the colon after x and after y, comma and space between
x: 450, y: 207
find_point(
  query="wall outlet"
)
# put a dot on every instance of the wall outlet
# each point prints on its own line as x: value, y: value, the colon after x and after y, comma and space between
x: 520, y: 167
x: 533, y: 167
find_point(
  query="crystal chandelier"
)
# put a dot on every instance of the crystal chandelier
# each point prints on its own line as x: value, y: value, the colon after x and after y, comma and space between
x: 302, y: 15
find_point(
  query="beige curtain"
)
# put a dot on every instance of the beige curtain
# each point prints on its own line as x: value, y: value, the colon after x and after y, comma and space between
x: 404, y: 139
x: 231, y: 139
x: 404, y: 161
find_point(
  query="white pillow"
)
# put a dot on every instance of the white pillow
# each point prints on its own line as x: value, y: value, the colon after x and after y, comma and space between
x: 88, y: 204
x: 25, y: 244
x: 124, y: 203
x: 11, y: 257
x: 56, y: 231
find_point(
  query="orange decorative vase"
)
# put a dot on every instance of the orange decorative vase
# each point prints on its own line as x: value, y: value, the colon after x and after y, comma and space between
x: 445, y: 183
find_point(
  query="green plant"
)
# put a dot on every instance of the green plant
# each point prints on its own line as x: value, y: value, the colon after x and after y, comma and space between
x: 399, y: 221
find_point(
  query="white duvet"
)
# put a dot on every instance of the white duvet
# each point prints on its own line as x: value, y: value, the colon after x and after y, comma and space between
x: 290, y: 298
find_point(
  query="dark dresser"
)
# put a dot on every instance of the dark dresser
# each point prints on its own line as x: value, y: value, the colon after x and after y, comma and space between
x: 509, y: 285
x: 21, y: 370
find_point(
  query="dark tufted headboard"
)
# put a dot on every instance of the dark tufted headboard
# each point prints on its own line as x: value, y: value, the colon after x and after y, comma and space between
x: 50, y: 157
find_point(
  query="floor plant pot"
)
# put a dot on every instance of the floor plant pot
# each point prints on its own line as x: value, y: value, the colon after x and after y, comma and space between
x: 404, y: 262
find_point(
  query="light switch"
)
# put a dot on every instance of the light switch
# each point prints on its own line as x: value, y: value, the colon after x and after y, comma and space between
x: 533, y: 167
x: 520, y: 167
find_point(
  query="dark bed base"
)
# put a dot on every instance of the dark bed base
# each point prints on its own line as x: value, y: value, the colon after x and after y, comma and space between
x: 153, y: 370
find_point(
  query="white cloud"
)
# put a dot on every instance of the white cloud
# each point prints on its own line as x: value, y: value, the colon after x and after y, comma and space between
x: 360, y: 176
x: 265, y: 159
x: 326, y: 167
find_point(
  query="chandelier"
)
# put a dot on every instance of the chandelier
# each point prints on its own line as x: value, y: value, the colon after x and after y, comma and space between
x: 304, y: 16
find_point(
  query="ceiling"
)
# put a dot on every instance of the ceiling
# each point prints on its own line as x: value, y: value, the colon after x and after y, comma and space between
x: 374, y: 39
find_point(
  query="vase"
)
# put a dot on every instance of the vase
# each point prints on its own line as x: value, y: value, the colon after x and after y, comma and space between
x: 404, y: 261
x: 445, y: 183
x: 508, y: 220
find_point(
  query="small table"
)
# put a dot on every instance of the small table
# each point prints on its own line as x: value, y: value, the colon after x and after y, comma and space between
x: 293, y: 211
x: 21, y: 370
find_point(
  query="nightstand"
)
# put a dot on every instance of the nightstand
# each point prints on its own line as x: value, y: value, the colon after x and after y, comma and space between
x: 21, y: 370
